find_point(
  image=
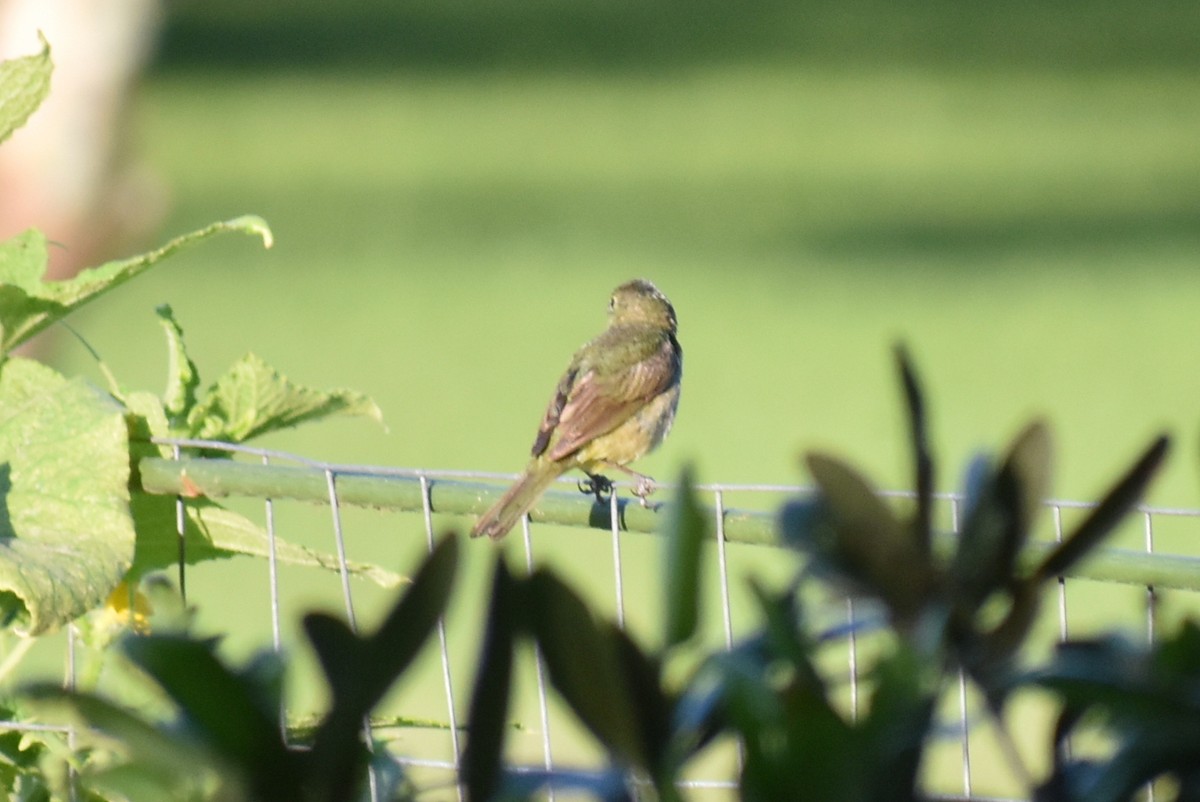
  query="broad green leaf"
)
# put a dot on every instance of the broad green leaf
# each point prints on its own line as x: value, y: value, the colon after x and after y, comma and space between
x: 900, y: 723
x: 29, y: 304
x: 66, y: 536
x: 182, y: 377
x: 24, y: 84
x: 146, y: 418
x: 685, y: 530
x: 252, y: 398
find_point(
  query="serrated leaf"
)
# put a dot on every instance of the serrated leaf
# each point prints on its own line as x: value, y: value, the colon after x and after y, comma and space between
x: 182, y: 376
x: 24, y: 84
x: 252, y: 399
x: 66, y: 536
x: 686, y: 527
x: 213, y: 532
x: 29, y: 304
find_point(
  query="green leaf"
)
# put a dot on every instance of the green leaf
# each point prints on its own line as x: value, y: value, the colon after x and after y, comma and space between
x: 213, y: 532
x: 900, y: 723
x: 252, y: 398
x: 584, y: 666
x: 487, y: 722
x: 654, y: 713
x: 182, y: 377
x: 234, y: 713
x: 24, y: 84
x: 387, y: 652
x: 1120, y: 499
x: 1000, y: 517
x: 922, y: 460
x: 28, y: 304
x: 686, y: 527
x: 871, y: 546
x: 66, y: 536
x: 360, y: 670
x: 156, y: 749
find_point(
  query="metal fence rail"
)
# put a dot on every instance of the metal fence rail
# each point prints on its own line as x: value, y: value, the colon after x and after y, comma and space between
x: 275, y: 477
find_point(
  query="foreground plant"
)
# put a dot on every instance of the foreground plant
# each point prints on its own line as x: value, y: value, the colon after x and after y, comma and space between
x: 226, y: 741
x: 77, y: 523
x: 943, y: 601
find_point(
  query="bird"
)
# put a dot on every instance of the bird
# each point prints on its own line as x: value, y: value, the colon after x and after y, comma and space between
x: 615, y: 402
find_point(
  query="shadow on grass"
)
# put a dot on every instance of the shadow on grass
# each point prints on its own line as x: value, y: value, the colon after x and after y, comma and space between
x: 993, y: 236
x: 638, y: 34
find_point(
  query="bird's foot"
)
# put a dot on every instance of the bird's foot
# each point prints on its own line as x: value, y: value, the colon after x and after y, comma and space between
x: 644, y: 487
x: 596, y: 485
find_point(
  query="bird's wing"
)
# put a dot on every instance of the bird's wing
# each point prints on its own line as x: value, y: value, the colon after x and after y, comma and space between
x: 554, y: 410
x: 596, y: 402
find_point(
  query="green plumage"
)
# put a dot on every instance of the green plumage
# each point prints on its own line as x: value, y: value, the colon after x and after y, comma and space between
x: 615, y: 402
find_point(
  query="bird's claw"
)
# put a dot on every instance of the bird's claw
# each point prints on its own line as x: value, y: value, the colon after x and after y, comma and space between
x: 596, y: 485
x: 644, y: 487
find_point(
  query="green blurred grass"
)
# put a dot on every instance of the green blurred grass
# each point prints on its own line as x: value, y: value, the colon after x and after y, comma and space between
x: 444, y: 244
x: 1016, y: 195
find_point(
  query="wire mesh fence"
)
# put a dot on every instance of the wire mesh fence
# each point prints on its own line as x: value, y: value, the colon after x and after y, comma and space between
x: 616, y: 565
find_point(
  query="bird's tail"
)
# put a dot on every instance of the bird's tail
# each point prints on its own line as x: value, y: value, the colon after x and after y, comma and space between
x: 504, y: 515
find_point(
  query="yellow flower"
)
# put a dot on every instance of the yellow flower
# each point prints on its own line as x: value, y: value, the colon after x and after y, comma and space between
x: 129, y: 608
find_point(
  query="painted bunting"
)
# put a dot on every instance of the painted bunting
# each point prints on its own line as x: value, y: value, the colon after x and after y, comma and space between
x: 615, y: 402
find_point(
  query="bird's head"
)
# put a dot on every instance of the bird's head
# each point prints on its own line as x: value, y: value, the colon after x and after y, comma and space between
x: 639, y: 301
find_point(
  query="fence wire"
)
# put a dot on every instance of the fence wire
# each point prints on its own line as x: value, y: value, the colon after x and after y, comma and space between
x: 556, y: 739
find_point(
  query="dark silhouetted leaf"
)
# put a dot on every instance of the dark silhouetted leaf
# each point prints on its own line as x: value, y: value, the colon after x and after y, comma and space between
x: 235, y: 715
x: 159, y: 750
x: 872, y: 548
x: 487, y: 719
x: 584, y: 666
x: 685, y: 530
x: 1104, y: 518
x: 338, y: 650
x: 899, y: 723
x: 999, y: 519
x: 361, y: 670
x: 923, y: 467
x: 652, y: 706
x: 367, y: 670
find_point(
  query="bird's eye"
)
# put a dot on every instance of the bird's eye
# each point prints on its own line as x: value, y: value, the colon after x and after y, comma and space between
x: 612, y: 303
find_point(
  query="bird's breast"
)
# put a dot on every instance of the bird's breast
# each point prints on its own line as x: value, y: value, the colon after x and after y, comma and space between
x: 639, y: 434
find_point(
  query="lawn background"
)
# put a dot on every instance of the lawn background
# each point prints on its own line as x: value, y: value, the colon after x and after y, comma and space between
x: 1013, y: 190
